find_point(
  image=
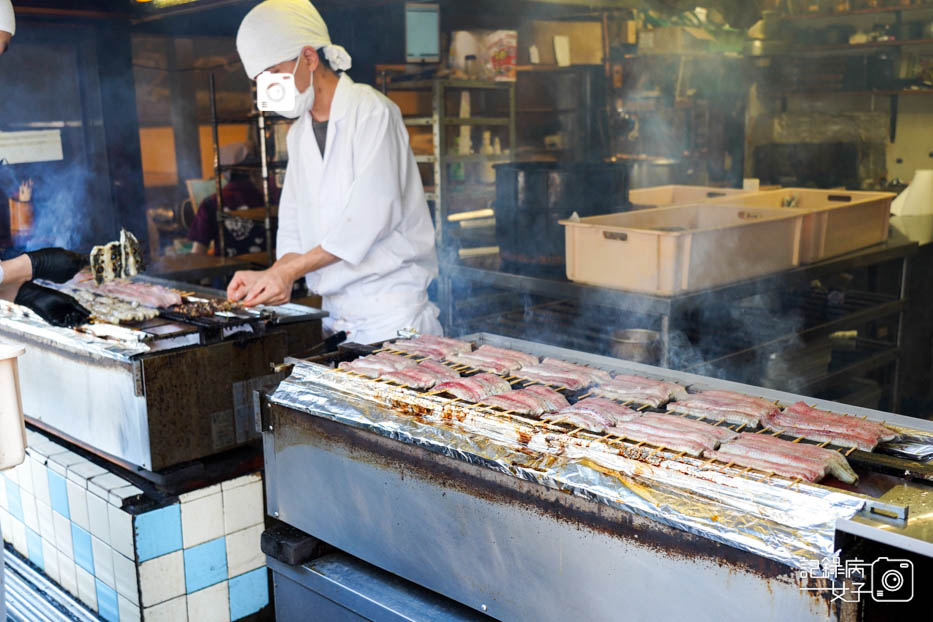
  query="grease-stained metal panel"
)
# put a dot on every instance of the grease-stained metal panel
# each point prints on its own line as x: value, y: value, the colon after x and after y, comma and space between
x: 512, y: 549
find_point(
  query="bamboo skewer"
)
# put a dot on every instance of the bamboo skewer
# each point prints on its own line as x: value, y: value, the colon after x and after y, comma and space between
x: 850, y: 451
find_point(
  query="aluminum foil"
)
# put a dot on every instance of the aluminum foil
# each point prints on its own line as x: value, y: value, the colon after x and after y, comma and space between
x: 790, y: 523
x: 17, y: 319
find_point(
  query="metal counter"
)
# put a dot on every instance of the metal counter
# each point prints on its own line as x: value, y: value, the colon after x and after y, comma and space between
x: 154, y: 404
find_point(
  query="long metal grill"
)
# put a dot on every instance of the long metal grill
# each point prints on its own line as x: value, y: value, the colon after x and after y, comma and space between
x: 527, y: 426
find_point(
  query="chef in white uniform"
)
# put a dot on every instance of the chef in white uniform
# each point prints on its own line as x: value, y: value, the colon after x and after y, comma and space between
x: 353, y: 220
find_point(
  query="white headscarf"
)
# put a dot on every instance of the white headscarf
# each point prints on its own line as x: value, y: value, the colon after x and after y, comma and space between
x: 277, y: 30
x: 7, y: 18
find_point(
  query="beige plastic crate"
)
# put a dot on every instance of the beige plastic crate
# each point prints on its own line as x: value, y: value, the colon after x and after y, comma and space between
x: 663, y: 196
x: 836, y: 222
x: 671, y: 250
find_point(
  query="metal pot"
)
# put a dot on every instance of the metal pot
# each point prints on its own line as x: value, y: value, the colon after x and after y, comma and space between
x: 647, y: 173
x: 926, y: 31
x: 638, y: 345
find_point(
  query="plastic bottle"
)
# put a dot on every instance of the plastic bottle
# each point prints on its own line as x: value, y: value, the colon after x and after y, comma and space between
x: 487, y: 173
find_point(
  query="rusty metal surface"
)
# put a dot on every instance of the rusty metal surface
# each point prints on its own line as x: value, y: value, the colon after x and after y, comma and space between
x: 512, y: 548
x: 192, y: 409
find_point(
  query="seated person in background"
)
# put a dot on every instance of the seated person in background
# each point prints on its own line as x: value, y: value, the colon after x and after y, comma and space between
x: 241, y: 235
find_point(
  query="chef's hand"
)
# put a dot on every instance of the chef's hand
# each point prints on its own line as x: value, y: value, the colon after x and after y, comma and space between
x: 4, y: 40
x: 241, y: 283
x: 52, y: 306
x: 266, y: 287
x: 56, y: 264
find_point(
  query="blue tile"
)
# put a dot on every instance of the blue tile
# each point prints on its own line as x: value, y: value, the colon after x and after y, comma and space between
x: 59, y: 494
x: 107, y: 607
x: 81, y: 541
x: 205, y: 564
x: 14, y: 501
x: 248, y: 593
x: 34, y: 547
x: 158, y: 532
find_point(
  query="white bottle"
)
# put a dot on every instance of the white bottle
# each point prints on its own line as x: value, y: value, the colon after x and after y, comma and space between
x: 487, y: 173
x: 12, y: 428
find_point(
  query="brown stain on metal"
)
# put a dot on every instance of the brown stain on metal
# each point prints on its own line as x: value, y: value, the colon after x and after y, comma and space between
x: 498, y: 488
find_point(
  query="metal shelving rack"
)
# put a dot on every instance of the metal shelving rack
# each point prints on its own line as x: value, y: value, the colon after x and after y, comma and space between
x: 441, y: 160
x: 266, y: 167
x: 671, y: 313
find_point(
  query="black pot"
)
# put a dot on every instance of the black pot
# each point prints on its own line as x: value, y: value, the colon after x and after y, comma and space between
x: 532, y: 197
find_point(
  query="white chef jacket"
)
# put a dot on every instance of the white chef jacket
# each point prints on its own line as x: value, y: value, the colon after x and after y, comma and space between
x: 362, y: 201
x: 7, y: 18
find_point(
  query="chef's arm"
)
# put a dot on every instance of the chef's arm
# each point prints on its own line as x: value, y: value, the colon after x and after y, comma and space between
x: 295, y: 265
x: 7, y: 24
x: 14, y: 273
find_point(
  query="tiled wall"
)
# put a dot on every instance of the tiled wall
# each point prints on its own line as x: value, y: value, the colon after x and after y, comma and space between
x: 196, y: 559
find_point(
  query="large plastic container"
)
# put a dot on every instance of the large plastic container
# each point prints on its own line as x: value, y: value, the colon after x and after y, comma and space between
x: 836, y: 222
x: 671, y: 250
x: 12, y: 428
x: 663, y: 196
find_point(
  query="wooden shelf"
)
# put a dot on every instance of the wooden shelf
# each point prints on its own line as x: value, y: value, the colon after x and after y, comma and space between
x: 260, y: 258
x: 253, y: 213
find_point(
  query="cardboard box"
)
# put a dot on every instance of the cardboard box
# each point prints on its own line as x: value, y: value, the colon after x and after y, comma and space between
x: 586, y: 41
x: 674, y: 39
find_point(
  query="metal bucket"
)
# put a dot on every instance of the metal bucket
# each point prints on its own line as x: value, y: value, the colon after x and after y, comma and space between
x: 638, y: 345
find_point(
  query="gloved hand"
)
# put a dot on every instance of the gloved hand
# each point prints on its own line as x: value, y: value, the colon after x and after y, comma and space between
x: 56, y: 264
x: 54, y: 307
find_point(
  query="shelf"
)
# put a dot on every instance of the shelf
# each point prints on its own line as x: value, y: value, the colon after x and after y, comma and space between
x: 478, y: 158
x: 471, y: 191
x: 857, y: 12
x: 254, y: 213
x: 418, y: 85
x: 849, y: 47
x: 543, y: 68
x: 413, y: 121
x: 252, y: 167
x: 547, y: 111
x: 477, y: 121
x: 856, y: 93
x: 261, y: 258
x: 425, y: 159
x: 896, y: 247
x: 270, y: 118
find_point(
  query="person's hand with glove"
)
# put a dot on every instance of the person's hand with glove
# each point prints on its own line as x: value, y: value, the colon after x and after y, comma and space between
x: 56, y: 264
x: 52, y: 306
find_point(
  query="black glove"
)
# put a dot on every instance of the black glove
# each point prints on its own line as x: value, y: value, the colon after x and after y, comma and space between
x: 56, y: 264
x: 54, y: 307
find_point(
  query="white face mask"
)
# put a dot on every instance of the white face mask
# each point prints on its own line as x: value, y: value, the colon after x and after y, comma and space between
x: 276, y: 92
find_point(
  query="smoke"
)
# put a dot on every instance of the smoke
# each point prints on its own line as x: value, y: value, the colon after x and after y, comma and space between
x: 60, y: 217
